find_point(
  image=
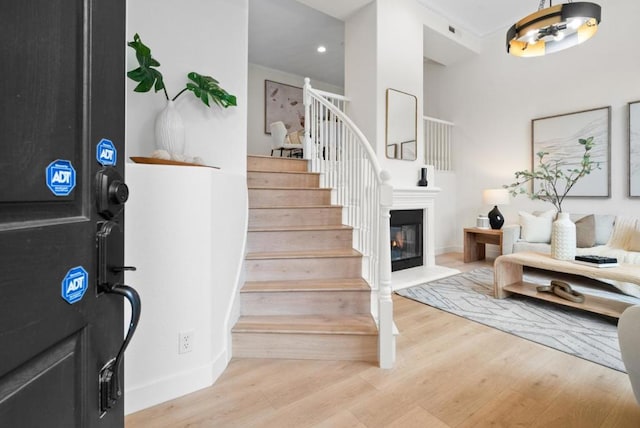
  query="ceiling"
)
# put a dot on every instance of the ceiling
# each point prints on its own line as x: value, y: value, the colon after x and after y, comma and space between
x: 284, y: 34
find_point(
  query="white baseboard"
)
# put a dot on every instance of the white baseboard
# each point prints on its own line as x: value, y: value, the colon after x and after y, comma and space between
x: 451, y: 249
x: 177, y: 385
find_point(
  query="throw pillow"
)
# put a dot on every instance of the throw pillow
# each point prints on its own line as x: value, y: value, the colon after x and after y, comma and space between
x: 536, y: 228
x: 633, y: 244
x: 586, y: 232
x: 604, y: 228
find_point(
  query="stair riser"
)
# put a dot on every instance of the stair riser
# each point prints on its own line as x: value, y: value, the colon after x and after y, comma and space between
x: 306, y: 303
x: 288, y: 197
x: 265, y: 217
x: 274, y: 179
x: 299, y: 240
x: 290, y: 269
x: 305, y: 346
x: 275, y: 164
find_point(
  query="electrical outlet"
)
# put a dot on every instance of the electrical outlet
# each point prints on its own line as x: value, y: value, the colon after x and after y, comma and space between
x: 185, y: 341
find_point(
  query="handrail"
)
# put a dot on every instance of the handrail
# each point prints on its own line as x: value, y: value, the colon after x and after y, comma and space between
x: 336, y: 148
x: 434, y: 119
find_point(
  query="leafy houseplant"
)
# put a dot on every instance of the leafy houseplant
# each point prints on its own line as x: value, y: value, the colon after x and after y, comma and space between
x: 554, y: 177
x: 147, y: 76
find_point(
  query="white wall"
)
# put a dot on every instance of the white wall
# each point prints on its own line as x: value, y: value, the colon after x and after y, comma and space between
x: 186, y: 226
x: 259, y: 143
x: 381, y: 53
x: 493, y: 97
x: 206, y: 36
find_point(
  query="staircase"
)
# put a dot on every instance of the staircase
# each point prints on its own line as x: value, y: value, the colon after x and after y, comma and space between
x: 304, y: 297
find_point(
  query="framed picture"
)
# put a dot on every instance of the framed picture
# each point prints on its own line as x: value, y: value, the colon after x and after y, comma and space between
x: 634, y: 149
x: 283, y: 103
x: 558, y: 135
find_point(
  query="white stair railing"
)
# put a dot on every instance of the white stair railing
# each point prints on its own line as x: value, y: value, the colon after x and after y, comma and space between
x: 337, y: 149
x: 438, y: 141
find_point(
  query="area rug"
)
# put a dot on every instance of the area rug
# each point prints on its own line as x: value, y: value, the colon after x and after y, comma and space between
x: 470, y: 295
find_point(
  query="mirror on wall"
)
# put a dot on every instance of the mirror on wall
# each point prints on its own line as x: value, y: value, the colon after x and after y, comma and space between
x: 401, y: 125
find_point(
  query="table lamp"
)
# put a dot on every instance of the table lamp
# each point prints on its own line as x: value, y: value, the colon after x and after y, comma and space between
x: 495, y: 197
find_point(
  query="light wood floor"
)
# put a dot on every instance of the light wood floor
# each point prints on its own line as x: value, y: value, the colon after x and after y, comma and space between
x: 450, y: 372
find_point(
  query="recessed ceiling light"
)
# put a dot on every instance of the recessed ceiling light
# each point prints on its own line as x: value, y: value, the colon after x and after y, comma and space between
x: 321, y: 49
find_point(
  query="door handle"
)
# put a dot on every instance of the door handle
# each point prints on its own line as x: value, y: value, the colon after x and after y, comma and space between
x: 110, y: 385
x: 110, y: 282
x: 111, y: 195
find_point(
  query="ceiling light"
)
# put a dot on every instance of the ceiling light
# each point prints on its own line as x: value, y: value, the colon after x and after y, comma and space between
x: 553, y: 29
x: 321, y: 49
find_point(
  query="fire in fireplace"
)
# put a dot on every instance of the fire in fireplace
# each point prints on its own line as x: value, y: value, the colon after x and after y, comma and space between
x: 406, y: 239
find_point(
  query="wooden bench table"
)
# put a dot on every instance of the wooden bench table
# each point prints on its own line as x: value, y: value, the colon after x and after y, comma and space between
x: 508, y: 279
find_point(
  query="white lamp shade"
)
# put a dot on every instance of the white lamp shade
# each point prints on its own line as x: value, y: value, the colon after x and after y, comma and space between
x: 495, y: 197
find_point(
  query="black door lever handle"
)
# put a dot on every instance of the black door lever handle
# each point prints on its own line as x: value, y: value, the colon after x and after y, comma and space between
x: 110, y: 389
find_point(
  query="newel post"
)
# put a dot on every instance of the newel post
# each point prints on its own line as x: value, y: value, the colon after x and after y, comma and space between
x: 386, y: 338
x: 307, y: 118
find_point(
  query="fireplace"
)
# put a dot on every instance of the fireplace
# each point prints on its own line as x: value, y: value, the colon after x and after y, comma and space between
x: 406, y: 239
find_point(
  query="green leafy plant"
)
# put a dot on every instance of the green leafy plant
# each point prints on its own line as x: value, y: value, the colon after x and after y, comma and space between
x: 555, y: 179
x: 147, y: 75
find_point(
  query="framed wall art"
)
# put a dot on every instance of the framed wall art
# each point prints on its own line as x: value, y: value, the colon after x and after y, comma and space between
x: 634, y: 149
x: 558, y: 135
x: 284, y: 103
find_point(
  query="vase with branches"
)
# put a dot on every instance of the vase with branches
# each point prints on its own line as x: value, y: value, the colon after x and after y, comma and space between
x: 169, y: 128
x: 554, y: 177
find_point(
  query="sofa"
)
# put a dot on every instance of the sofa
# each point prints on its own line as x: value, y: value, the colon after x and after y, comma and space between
x: 596, y: 234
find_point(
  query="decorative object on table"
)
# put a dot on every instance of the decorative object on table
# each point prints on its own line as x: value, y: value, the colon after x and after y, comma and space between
x: 563, y: 238
x: 482, y: 222
x: 283, y: 103
x: 634, y: 149
x: 561, y: 289
x: 495, y: 197
x: 597, y: 261
x: 423, y: 178
x: 556, y: 136
x: 169, y: 127
x: 557, y: 177
x: 553, y: 29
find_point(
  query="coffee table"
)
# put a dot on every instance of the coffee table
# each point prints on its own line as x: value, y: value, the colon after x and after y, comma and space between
x: 508, y: 271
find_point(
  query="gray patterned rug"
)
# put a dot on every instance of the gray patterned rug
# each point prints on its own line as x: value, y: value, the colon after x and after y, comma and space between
x: 470, y: 295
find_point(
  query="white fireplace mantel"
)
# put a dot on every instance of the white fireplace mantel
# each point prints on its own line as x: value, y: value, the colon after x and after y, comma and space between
x: 411, y: 198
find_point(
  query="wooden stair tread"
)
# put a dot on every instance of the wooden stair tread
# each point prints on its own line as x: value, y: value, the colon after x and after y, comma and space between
x: 268, y: 171
x: 337, y: 284
x: 288, y: 207
x: 307, y: 324
x: 310, y: 189
x: 310, y: 254
x: 299, y: 228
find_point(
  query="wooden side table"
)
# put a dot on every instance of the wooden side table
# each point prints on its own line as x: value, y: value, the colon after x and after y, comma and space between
x: 475, y: 240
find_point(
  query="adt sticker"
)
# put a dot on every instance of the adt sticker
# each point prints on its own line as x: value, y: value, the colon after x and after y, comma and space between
x: 75, y: 284
x: 61, y: 177
x: 106, y: 153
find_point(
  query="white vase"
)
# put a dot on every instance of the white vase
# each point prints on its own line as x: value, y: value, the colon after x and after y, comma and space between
x: 563, y: 238
x: 170, y: 130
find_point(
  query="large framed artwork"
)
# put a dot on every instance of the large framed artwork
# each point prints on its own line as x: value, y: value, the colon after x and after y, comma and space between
x: 634, y: 149
x: 558, y: 135
x: 283, y: 103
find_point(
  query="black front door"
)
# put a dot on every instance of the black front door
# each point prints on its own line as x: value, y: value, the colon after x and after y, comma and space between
x: 61, y: 99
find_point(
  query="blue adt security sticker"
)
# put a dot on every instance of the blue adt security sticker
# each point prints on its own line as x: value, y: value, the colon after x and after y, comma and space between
x: 61, y: 177
x: 74, y: 284
x: 106, y: 153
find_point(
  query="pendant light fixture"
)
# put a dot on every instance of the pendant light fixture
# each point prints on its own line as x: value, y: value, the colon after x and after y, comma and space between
x: 553, y: 29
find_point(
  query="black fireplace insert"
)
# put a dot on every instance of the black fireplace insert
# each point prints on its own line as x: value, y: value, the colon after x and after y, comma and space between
x: 406, y: 239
